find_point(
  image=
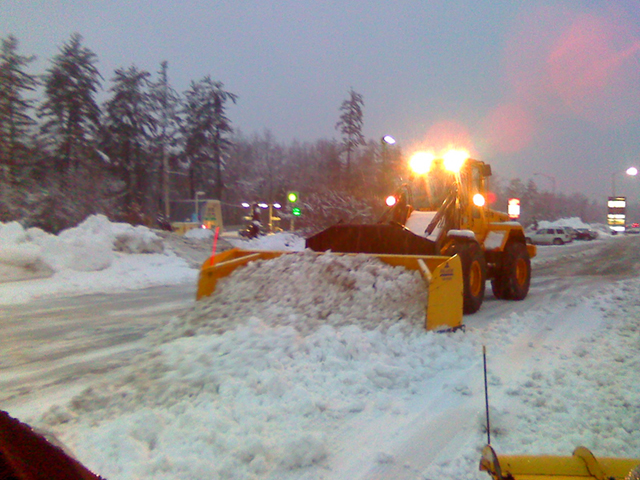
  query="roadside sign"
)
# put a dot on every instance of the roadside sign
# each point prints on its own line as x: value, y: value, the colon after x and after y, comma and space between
x: 617, y: 213
x: 212, y: 215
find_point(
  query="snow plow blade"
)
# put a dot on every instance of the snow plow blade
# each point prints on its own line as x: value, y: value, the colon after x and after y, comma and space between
x: 442, y: 276
x: 389, y: 238
x: 582, y: 465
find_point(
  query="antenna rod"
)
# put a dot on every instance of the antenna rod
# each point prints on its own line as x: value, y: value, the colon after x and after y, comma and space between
x: 486, y: 393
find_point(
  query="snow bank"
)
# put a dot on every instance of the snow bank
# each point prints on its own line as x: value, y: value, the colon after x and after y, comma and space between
x: 284, y: 241
x: 573, y: 222
x: 87, y: 247
x: 199, y: 233
x: 88, y: 258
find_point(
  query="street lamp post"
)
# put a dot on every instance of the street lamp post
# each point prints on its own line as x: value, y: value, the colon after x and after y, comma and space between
x: 385, y: 142
x: 197, y: 212
x: 631, y: 171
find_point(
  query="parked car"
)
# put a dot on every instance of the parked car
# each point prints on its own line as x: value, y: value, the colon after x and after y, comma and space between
x: 572, y: 231
x: 634, y: 228
x: 586, y: 234
x: 551, y: 236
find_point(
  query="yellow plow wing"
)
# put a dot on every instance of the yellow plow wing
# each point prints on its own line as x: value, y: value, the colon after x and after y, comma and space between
x: 582, y: 465
x: 442, y: 276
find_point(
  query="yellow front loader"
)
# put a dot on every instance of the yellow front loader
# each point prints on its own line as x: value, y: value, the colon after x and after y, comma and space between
x: 441, y: 227
x: 443, y: 210
x: 442, y: 276
x: 582, y: 465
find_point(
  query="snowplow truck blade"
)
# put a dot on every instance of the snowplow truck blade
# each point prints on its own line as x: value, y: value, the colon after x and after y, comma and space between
x: 442, y: 276
x: 580, y: 466
x: 390, y: 238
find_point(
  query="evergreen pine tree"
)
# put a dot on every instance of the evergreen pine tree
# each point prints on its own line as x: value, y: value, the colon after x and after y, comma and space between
x: 129, y: 125
x: 15, y: 120
x: 77, y: 187
x: 71, y: 114
x: 350, y: 125
x: 205, y: 132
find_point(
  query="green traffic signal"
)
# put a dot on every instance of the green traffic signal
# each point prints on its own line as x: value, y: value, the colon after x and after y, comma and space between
x: 296, y: 211
x: 292, y: 197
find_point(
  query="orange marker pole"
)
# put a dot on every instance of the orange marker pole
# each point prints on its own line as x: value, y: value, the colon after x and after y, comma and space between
x: 215, y: 241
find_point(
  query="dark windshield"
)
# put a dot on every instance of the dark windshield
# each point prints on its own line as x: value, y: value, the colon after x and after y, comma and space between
x: 430, y: 191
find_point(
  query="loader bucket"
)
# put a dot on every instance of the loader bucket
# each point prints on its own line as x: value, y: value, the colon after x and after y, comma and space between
x: 389, y: 238
x: 581, y: 466
x: 442, y: 276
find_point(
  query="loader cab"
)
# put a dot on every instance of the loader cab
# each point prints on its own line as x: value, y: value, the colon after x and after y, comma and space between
x: 472, y: 196
x: 432, y: 189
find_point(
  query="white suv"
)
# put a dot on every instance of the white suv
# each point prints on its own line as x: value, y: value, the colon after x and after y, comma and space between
x: 551, y: 236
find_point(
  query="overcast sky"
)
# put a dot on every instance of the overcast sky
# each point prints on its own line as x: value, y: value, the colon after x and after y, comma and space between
x: 529, y: 86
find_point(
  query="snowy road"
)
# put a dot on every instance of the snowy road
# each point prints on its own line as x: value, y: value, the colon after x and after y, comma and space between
x: 426, y: 428
x: 50, y: 349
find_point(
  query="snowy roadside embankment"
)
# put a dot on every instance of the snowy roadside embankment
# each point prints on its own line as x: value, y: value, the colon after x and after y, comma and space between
x: 94, y: 257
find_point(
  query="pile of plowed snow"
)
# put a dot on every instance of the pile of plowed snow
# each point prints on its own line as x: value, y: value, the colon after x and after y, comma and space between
x: 97, y: 256
x: 306, y: 290
x: 253, y: 382
x: 88, y: 247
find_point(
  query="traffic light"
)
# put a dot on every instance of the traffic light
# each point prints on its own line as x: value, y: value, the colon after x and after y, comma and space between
x: 293, y: 198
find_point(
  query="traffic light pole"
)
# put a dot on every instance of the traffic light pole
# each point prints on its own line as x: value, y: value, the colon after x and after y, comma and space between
x: 293, y: 198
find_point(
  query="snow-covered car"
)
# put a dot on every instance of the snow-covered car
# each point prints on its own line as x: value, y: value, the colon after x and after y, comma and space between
x: 586, y: 234
x: 551, y: 236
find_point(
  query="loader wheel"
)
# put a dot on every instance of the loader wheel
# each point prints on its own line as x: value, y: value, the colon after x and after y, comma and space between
x: 514, y: 277
x: 474, y: 274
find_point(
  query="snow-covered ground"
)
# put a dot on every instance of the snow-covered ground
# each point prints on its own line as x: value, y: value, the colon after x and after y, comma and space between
x: 318, y: 368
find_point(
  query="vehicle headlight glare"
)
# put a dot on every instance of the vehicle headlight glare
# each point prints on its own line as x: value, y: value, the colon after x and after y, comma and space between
x: 478, y: 200
x: 420, y: 162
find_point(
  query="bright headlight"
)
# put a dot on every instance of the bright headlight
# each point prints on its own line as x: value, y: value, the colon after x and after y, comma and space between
x: 478, y: 200
x: 454, y: 159
x: 420, y: 162
x: 390, y: 201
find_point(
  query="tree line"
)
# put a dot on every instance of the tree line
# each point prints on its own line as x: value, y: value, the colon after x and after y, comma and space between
x: 68, y: 156
x: 147, y: 149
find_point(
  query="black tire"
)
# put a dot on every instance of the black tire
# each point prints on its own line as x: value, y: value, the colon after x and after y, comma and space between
x: 558, y: 241
x: 514, y: 277
x: 474, y: 274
